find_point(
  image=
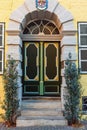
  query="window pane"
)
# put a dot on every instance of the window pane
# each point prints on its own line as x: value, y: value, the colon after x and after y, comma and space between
x: 38, y: 22
x: 83, y: 40
x: 56, y: 31
x: 83, y: 54
x: 84, y: 102
x: 35, y: 31
x: 26, y: 31
x: 0, y: 29
x: 51, y: 26
x: 40, y: 26
x: 31, y: 26
x: 83, y: 28
x: 45, y: 22
x: 83, y: 65
x: 84, y: 107
x: 0, y: 55
x: 0, y: 66
x: 0, y: 40
x: 46, y: 31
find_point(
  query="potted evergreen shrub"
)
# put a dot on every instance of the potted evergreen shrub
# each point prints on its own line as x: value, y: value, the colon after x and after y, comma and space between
x: 74, y: 91
x: 11, y: 103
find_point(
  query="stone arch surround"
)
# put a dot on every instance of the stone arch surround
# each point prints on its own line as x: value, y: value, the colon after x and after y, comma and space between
x: 55, y: 12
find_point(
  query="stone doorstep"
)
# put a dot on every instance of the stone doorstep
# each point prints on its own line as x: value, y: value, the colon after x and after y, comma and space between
x: 41, y: 101
x: 24, y: 123
x: 41, y: 113
x: 40, y: 120
x: 41, y: 104
x: 41, y: 98
x: 41, y: 109
x: 41, y: 117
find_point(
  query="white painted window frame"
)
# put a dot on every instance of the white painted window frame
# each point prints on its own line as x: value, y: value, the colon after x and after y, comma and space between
x: 80, y: 60
x: 84, y: 111
x: 81, y: 34
x: 1, y: 72
x: 2, y: 47
x: 2, y: 24
x: 81, y: 47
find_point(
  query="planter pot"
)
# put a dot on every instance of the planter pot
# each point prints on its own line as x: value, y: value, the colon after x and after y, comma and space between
x: 69, y: 123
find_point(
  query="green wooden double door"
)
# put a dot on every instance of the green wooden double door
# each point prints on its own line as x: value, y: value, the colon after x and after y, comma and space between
x: 41, y: 68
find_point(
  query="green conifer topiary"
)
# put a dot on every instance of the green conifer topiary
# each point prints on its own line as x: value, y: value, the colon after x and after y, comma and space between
x: 74, y: 91
x: 11, y: 102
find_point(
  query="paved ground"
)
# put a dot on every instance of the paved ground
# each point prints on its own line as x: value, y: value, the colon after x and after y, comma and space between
x: 44, y: 128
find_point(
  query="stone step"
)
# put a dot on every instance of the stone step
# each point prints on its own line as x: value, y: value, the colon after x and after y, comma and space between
x: 41, y: 117
x: 41, y: 104
x: 41, y: 101
x: 43, y: 109
x: 41, y: 112
x: 41, y: 98
x: 41, y: 120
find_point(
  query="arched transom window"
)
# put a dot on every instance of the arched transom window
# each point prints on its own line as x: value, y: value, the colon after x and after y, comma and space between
x: 41, y: 27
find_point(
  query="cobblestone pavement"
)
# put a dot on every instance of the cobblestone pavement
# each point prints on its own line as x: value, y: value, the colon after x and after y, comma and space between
x: 44, y: 128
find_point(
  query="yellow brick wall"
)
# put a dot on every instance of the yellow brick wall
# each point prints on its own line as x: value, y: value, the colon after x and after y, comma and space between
x: 78, y: 8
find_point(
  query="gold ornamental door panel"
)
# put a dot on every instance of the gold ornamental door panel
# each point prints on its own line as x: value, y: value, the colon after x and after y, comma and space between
x: 31, y: 62
x: 51, y: 65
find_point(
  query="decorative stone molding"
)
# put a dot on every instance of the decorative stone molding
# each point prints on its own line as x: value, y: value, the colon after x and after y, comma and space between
x: 68, y: 40
x: 30, y: 4
x: 28, y: 37
x: 15, y: 52
x: 19, y: 91
x: 62, y: 97
x: 68, y: 26
x: 19, y: 82
x: 63, y: 14
x: 63, y: 80
x: 65, y: 52
x: 52, y: 5
x: 62, y: 74
x: 55, y: 9
x: 14, y: 40
x: 23, y: 9
x: 19, y: 69
x: 13, y: 25
x: 55, y: 13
